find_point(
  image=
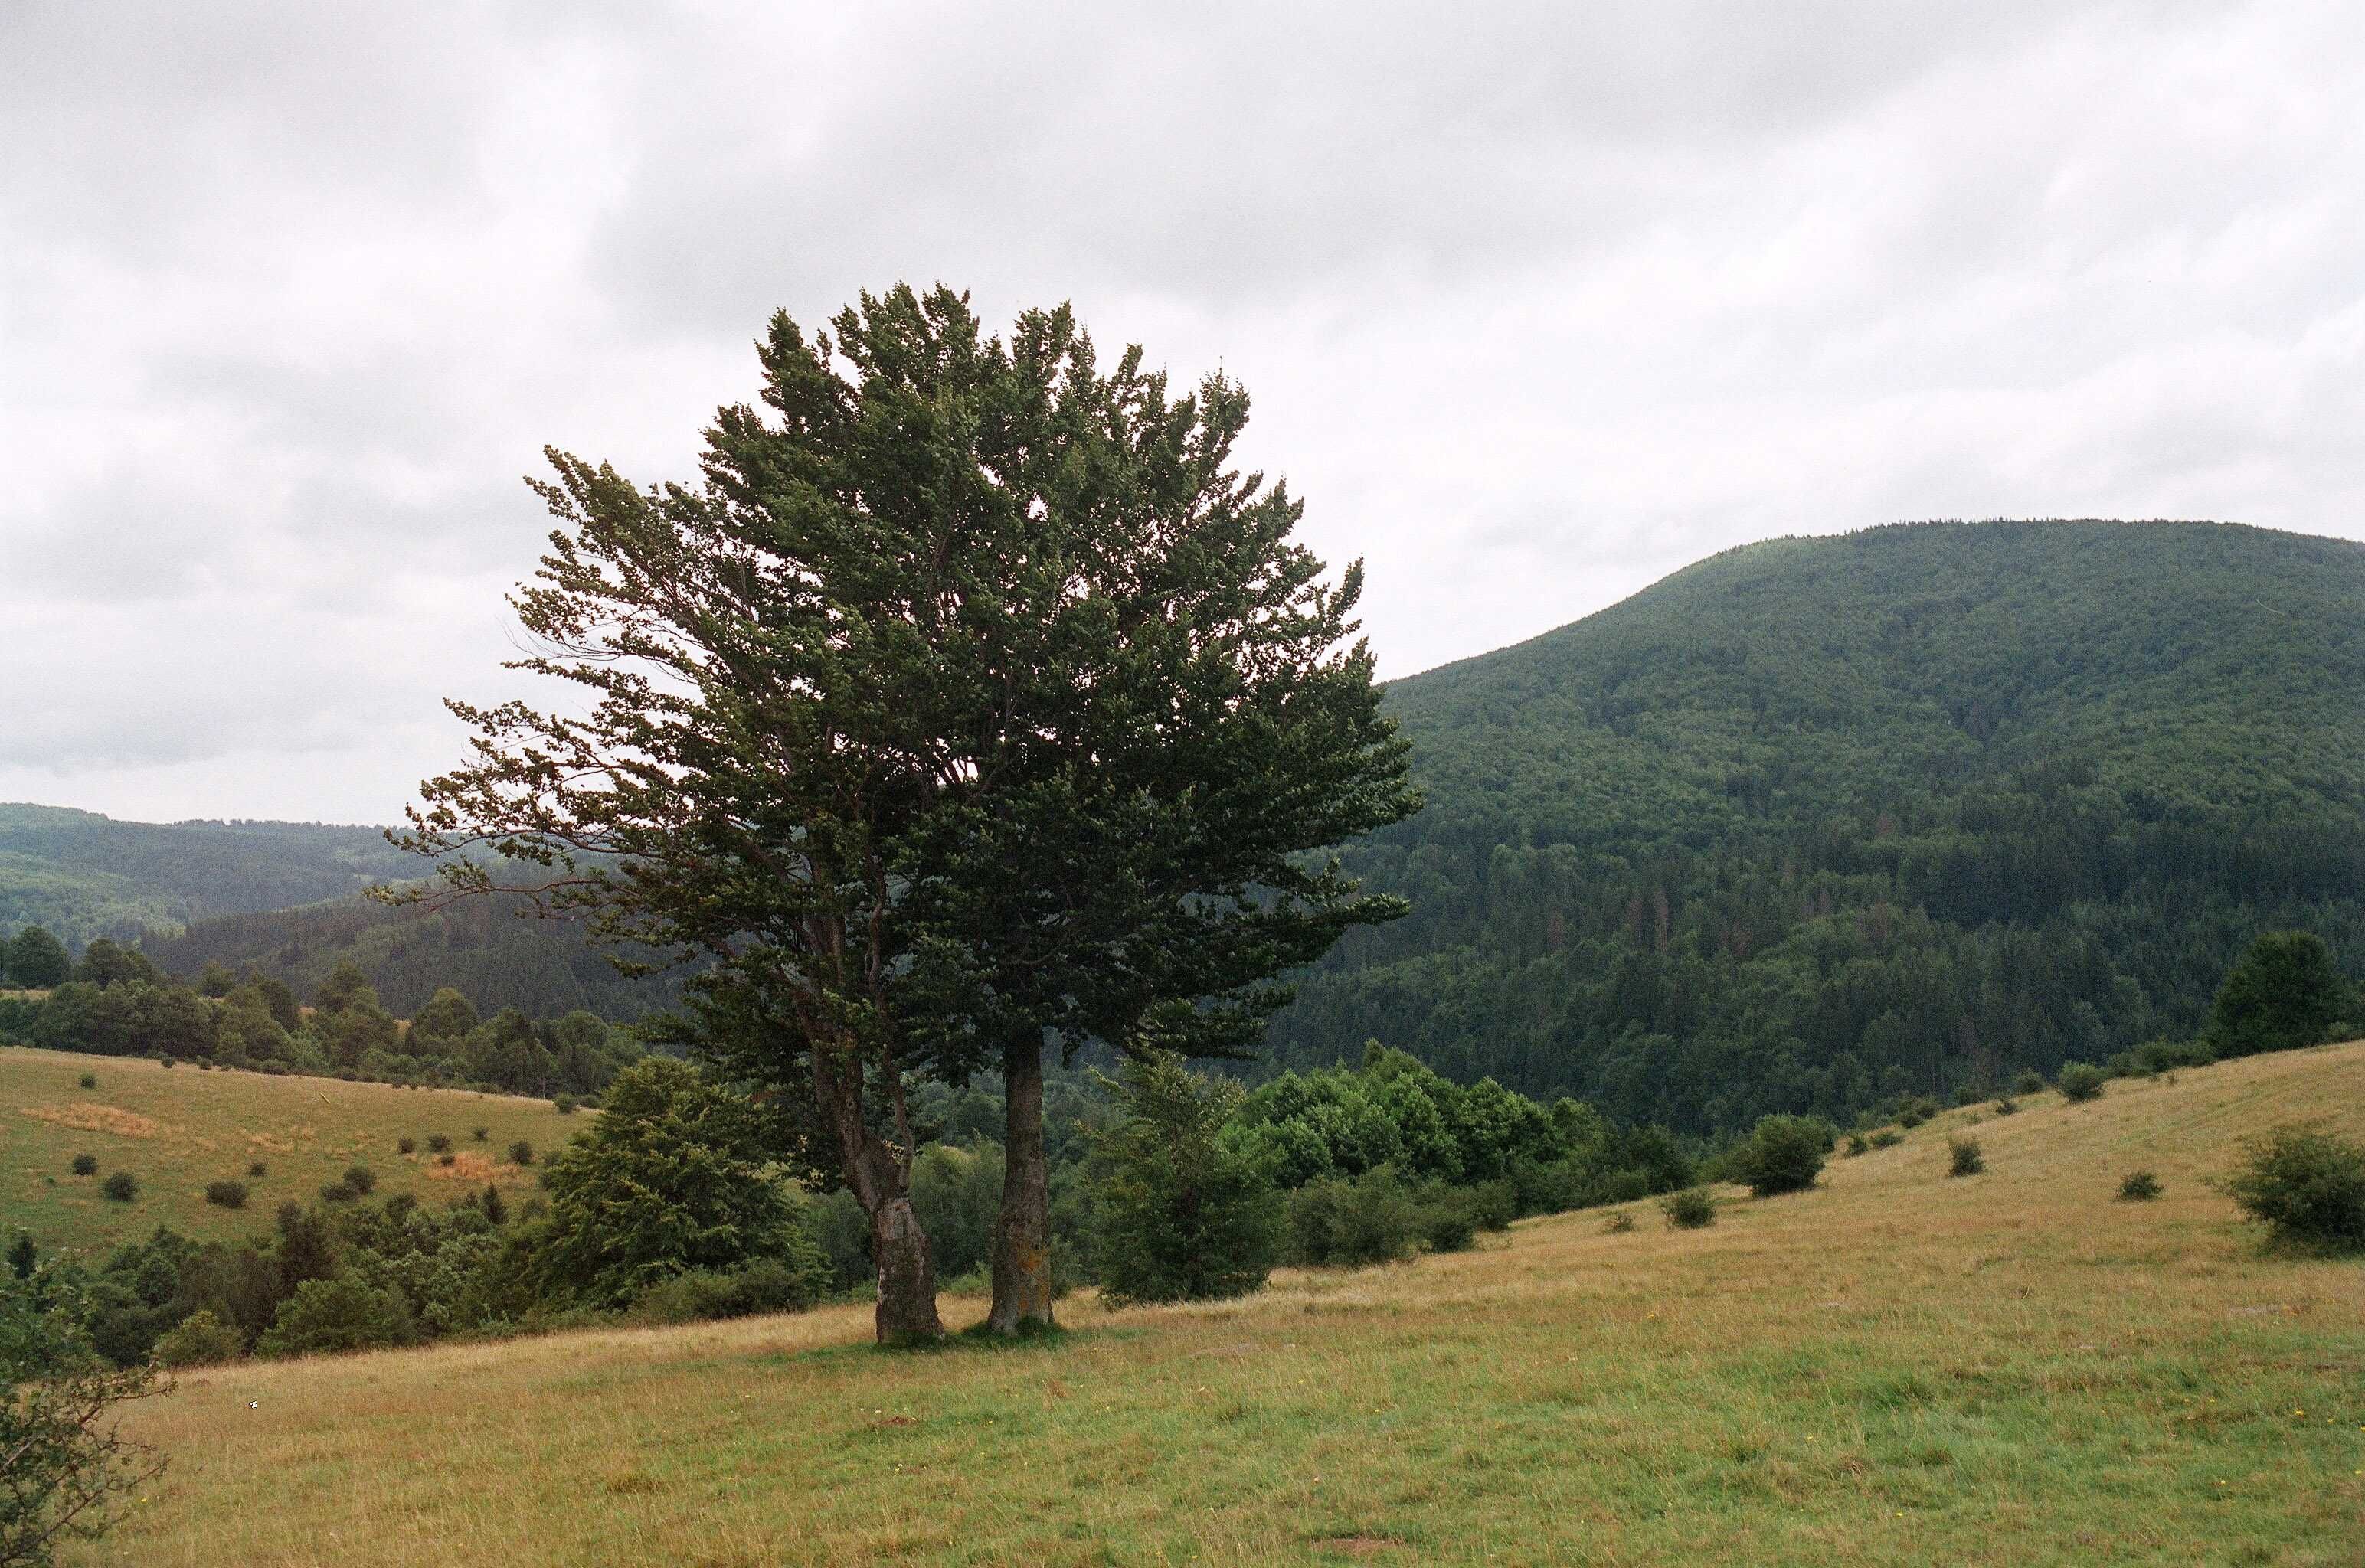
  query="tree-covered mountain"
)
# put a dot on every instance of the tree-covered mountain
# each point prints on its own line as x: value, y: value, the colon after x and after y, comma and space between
x: 1820, y: 821
x: 82, y: 875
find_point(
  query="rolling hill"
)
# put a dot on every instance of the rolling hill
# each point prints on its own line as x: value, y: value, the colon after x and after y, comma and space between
x: 1895, y: 1367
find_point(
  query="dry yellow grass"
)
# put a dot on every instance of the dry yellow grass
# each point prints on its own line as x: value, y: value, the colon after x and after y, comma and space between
x: 1896, y: 1368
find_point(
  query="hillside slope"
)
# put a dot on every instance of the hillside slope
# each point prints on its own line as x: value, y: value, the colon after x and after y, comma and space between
x: 83, y: 875
x: 1820, y: 821
x: 1897, y: 1367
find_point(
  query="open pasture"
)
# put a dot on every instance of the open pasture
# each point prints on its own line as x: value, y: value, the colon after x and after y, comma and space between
x: 2015, y: 1368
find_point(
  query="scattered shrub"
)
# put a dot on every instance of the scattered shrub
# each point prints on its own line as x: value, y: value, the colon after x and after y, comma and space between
x: 166, y: 1061
x: 1915, y: 1112
x: 1353, y: 1224
x: 1855, y: 1146
x: 1450, y: 1224
x: 496, y: 1207
x: 200, y: 1340
x: 483, y: 1133
x: 340, y: 1313
x: 1493, y: 1205
x: 437, y: 1143
x: 85, y: 1165
x: 1966, y: 1159
x: 122, y: 1186
x: 2080, y: 1081
x: 522, y: 1153
x: 90, y: 1081
x: 771, y: 1284
x: 360, y: 1178
x: 1888, y: 1137
x: 406, y: 1146
x: 2007, y: 1106
x: 257, y: 1168
x: 565, y: 1105
x: 339, y: 1192
x: 1619, y: 1223
x: 447, y: 1159
x: 2028, y: 1081
x: 2139, y: 1186
x: 1689, y: 1209
x: 2306, y: 1186
x: 226, y: 1194
x: 1782, y: 1154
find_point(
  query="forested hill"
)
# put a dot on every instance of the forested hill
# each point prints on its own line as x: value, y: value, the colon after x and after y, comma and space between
x: 1817, y: 821
x: 82, y: 875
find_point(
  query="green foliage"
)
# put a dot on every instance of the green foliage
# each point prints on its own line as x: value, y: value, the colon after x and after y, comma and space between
x: 1689, y: 1209
x: 1964, y: 1157
x: 199, y: 1340
x: 2306, y: 1186
x: 1183, y: 1213
x: 2139, y: 1186
x: 1354, y: 1223
x: 226, y: 1194
x: 2028, y: 1082
x: 1887, y: 1137
x: 1916, y: 1111
x: 2081, y: 1082
x: 89, y: 1080
x: 37, y: 960
x: 361, y: 1179
x: 341, y: 1312
x: 406, y: 1146
x: 121, y: 1187
x: 2007, y: 1106
x: 1619, y: 1223
x: 670, y: 1179
x: 2285, y: 993
x: 1782, y: 1154
x: 1855, y: 1146
x: 438, y: 1143
x: 522, y: 1152
x: 790, y: 1283
x: 257, y: 1168
x: 85, y: 1165
x: 63, y: 1464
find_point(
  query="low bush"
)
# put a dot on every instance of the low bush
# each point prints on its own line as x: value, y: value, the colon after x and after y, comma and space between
x: 1689, y: 1209
x: 2306, y: 1186
x: 1493, y: 1205
x: 437, y: 1143
x: 85, y: 1165
x: 447, y: 1158
x: 1448, y: 1224
x: 340, y: 1313
x: 1619, y: 1223
x: 2028, y: 1081
x: 1353, y: 1224
x: 257, y: 1168
x: 522, y: 1153
x: 483, y: 1133
x: 226, y: 1194
x: 1915, y: 1112
x: 200, y: 1340
x: 1855, y: 1146
x: 769, y: 1284
x: 90, y: 1081
x: 339, y: 1192
x: 565, y: 1105
x: 122, y: 1187
x: 360, y: 1178
x: 1966, y: 1159
x: 166, y: 1061
x: 2007, y: 1106
x: 2139, y: 1186
x: 2080, y: 1081
x: 1781, y: 1154
x: 1888, y: 1137
x: 406, y: 1146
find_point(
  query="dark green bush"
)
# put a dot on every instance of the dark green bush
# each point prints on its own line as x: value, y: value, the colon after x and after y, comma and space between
x: 437, y: 1143
x: 226, y: 1194
x: 565, y: 1105
x: 360, y: 1178
x: 1966, y: 1157
x: 406, y: 1146
x: 85, y: 1165
x: 2080, y: 1081
x: 90, y: 1081
x: 1855, y: 1146
x: 339, y: 1192
x: 2139, y: 1186
x: 1619, y: 1223
x: 340, y: 1313
x: 122, y: 1186
x: 1782, y: 1154
x: 2286, y: 992
x: 1181, y: 1210
x: 1353, y: 1224
x: 771, y: 1284
x: 2028, y: 1081
x: 447, y: 1158
x: 2306, y: 1186
x: 1449, y: 1223
x: 1493, y: 1205
x: 2007, y: 1106
x: 522, y: 1153
x: 1689, y: 1209
x: 199, y: 1340
x: 1888, y: 1137
x: 1915, y: 1112
x: 481, y: 1134
x: 257, y: 1168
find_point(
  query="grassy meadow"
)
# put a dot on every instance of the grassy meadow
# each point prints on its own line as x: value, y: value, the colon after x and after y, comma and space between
x: 2012, y: 1368
x: 177, y: 1128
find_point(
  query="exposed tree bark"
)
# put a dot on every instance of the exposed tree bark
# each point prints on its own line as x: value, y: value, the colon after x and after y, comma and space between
x: 880, y: 1176
x: 907, y: 1276
x: 1022, y: 1234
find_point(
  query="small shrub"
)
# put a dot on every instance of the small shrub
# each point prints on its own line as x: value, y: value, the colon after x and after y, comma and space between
x: 1967, y: 1161
x: 447, y: 1159
x: 226, y: 1194
x: 85, y: 1165
x: 166, y: 1061
x: 406, y: 1146
x: 1493, y: 1205
x: 337, y: 1313
x: 205, y: 1064
x: 2080, y: 1081
x: 2007, y: 1106
x: 1689, y: 1209
x: 1782, y: 1154
x: 400, y: 1206
x: 360, y: 1178
x: 257, y: 1168
x: 1855, y: 1146
x: 769, y: 1285
x: 200, y: 1340
x: 122, y: 1187
x: 90, y: 1081
x: 483, y: 1133
x: 1369, y: 1220
x: 1450, y: 1225
x: 2306, y: 1186
x: 522, y: 1153
x: 565, y: 1105
x: 1619, y: 1223
x: 2028, y: 1081
x: 496, y: 1207
x: 338, y: 1192
x: 437, y: 1143
x: 2139, y: 1186
x: 1888, y: 1137
x: 1915, y: 1112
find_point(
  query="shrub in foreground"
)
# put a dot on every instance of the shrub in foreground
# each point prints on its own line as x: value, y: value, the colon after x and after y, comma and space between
x: 1353, y: 1224
x: 122, y: 1187
x: 1689, y: 1209
x: 2080, y: 1081
x: 1782, y: 1154
x: 2139, y: 1186
x: 2306, y: 1186
x: 788, y: 1284
x: 1966, y: 1157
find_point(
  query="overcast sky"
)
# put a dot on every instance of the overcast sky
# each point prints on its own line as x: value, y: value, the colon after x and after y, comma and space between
x: 1538, y: 303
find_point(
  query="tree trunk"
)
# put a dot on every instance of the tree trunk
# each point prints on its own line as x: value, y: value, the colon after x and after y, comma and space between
x: 907, y: 1276
x: 1022, y: 1234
